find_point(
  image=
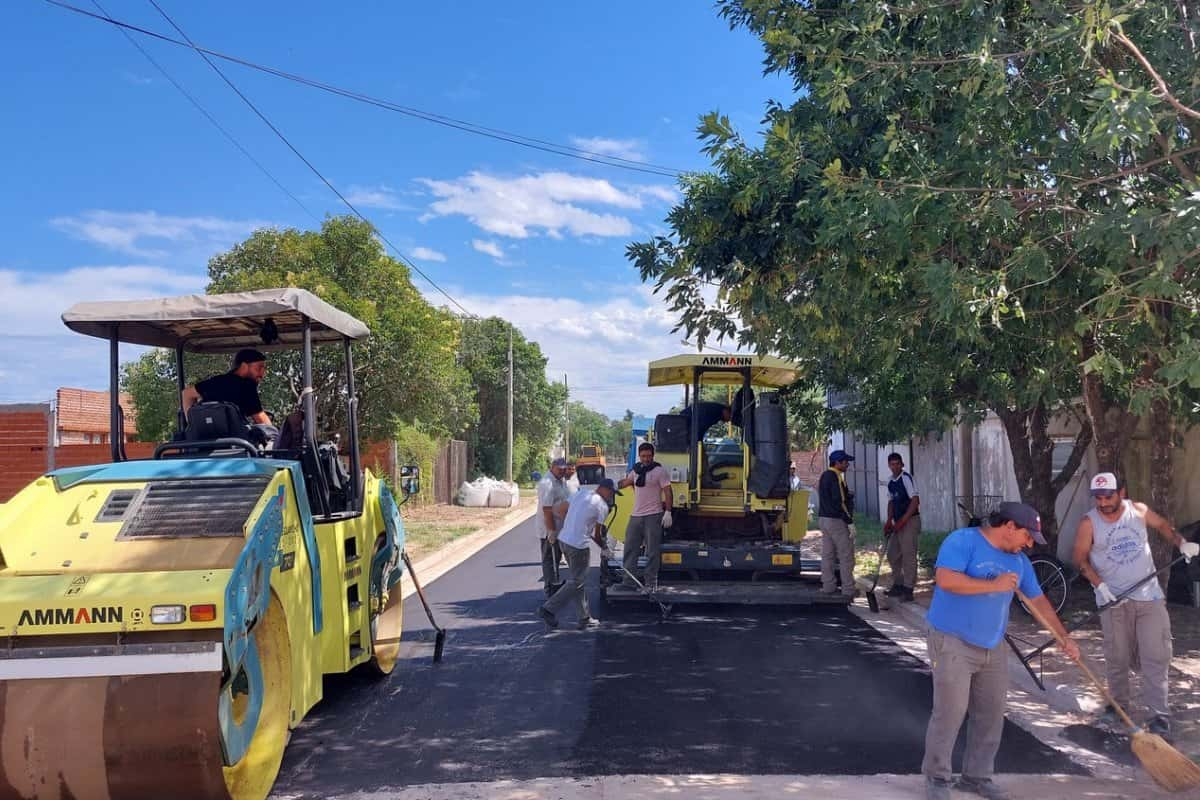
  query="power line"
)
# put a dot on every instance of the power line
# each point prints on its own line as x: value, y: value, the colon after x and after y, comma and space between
x: 209, y: 116
x: 300, y: 156
x: 543, y: 145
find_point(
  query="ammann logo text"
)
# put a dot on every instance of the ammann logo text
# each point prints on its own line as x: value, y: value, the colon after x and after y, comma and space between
x: 727, y: 361
x: 70, y: 616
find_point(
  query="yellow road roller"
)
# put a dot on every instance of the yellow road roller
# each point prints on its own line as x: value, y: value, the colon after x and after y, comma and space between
x: 167, y: 621
x: 739, y: 528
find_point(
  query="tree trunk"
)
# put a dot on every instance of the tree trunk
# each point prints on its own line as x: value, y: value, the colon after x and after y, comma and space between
x: 1033, y: 462
x: 1111, y: 426
x: 1032, y: 448
x: 1162, y: 442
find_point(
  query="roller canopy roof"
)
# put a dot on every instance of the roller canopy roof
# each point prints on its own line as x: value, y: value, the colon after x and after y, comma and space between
x: 216, y: 323
x: 767, y: 371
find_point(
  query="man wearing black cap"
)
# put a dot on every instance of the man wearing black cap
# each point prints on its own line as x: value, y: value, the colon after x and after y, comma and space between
x: 584, y: 523
x: 977, y: 571
x: 238, y: 386
x: 834, y: 505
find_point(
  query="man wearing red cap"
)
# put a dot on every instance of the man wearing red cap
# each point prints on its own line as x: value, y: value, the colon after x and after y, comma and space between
x: 1112, y: 550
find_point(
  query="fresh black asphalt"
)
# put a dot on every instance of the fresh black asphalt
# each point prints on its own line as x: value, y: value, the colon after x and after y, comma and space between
x: 711, y: 690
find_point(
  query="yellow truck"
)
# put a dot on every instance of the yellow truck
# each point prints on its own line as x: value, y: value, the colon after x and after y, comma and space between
x: 738, y: 528
x: 168, y: 621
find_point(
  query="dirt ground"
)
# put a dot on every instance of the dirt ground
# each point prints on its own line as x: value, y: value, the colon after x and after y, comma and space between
x: 429, y: 527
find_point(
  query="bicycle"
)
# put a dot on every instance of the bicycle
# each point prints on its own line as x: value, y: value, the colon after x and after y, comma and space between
x: 1053, y: 579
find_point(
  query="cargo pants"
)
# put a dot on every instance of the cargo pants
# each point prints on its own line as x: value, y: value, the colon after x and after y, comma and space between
x: 579, y: 559
x: 967, y: 681
x: 837, y: 544
x: 646, y: 530
x: 1138, y: 630
x: 902, y: 552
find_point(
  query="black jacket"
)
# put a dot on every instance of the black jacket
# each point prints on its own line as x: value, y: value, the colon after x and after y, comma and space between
x: 833, y: 498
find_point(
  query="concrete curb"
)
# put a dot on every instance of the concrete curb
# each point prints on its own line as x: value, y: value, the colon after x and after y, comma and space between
x: 747, y: 787
x: 1061, y: 697
x: 441, y: 561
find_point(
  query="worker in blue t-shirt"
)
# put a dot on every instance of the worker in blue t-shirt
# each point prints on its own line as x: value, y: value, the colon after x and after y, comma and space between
x: 977, y: 571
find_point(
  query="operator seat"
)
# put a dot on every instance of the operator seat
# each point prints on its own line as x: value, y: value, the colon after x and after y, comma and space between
x: 207, y: 421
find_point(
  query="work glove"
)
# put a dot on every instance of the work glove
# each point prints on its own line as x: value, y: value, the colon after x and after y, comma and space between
x: 667, y: 521
x: 1189, y: 550
x: 1104, y: 595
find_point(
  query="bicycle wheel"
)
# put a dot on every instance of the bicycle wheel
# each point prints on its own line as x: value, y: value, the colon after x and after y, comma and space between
x: 1053, y: 580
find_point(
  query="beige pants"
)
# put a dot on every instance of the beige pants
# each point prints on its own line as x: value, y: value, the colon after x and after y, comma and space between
x: 837, y: 545
x: 902, y: 552
x: 646, y: 531
x: 1138, y: 630
x: 967, y: 681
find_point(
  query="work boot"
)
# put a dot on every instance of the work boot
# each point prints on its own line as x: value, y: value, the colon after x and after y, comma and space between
x: 897, y: 590
x: 907, y: 595
x: 1108, y: 719
x: 937, y: 789
x: 547, y: 617
x: 1159, y: 726
x: 984, y: 787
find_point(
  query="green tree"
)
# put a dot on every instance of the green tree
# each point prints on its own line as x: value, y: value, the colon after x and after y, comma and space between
x: 537, y: 403
x: 588, y: 427
x: 967, y: 208
x: 406, y: 371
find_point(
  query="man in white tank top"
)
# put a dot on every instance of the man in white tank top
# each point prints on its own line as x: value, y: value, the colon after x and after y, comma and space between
x: 1112, y: 550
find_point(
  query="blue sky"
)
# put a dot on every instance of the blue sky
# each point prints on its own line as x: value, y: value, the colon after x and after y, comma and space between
x: 119, y: 188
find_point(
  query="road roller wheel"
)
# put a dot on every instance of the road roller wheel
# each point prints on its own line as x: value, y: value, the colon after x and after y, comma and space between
x: 387, y: 620
x: 252, y: 776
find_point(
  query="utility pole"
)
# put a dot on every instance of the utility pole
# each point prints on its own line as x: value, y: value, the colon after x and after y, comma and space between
x: 510, y: 405
x: 567, y: 418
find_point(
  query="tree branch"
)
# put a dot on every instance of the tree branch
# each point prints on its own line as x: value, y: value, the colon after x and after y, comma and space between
x: 1164, y: 91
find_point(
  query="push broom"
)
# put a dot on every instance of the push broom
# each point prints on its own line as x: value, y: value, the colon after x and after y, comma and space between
x: 1169, y: 768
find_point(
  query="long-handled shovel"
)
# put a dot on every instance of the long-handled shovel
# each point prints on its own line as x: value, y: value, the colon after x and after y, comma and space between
x: 1170, y: 769
x: 440, y: 641
x: 872, y: 600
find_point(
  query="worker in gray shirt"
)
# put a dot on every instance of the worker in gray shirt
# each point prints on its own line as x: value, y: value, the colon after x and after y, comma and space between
x: 1112, y: 550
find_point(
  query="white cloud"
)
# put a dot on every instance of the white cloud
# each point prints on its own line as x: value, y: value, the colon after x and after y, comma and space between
x: 382, y: 197
x: 39, y: 353
x: 128, y: 231
x: 663, y: 193
x: 602, y: 346
x: 426, y: 254
x: 631, y: 149
x: 489, y: 247
x: 548, y: 201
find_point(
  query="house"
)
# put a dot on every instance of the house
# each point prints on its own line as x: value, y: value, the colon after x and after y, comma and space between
x: 81, y: 416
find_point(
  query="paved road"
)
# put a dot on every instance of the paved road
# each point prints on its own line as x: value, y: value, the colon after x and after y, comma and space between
x: 756, y: 691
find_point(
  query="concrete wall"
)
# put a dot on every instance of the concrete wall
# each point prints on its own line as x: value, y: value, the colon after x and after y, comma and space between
x: 933, y: 465
x: 994, y: 475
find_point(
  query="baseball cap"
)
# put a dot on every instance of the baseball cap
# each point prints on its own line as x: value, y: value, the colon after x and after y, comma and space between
x: 608, y: 483
x: 839, y: 455
x: 1103, y: 483
x: 1025, y: 516
x: 559, y: 462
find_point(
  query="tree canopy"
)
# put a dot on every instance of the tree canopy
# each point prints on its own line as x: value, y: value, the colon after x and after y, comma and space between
x: 537, y: 403
x: 406, y: 371
x: 968, y: 206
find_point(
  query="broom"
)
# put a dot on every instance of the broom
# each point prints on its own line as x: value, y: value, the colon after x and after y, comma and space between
x: 1169, y: 768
